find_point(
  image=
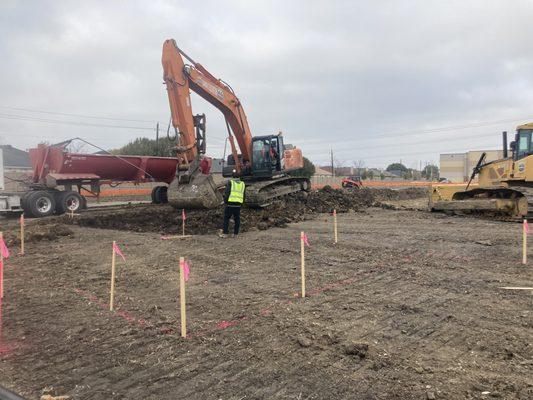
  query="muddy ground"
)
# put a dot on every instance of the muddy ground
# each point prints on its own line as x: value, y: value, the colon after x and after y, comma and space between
x: 407, y: 305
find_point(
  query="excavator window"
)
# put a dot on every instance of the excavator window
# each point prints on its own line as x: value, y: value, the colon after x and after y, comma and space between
x: 524, y: 143
x: 261, y: 154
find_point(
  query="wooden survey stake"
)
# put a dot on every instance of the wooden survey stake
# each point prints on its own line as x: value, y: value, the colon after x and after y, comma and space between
x: 1, y: 269
x: 302, y: 250
x: 22, y: 222
x: 525, y: 231
x: 182, y: 299
x: 335, y: 225
x: 112, y: 295
x: 183, y: 218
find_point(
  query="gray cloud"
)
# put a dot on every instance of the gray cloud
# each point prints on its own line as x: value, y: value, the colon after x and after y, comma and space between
x: 327, y: 73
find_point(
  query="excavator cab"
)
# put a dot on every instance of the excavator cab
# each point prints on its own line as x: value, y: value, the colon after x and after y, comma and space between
x: 522, y: 145
x: 267, y: 158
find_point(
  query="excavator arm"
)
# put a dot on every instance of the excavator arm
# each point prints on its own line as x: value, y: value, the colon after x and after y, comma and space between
x: 180, y: 78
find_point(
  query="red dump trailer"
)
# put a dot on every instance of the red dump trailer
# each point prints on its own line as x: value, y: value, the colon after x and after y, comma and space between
x: 56, y: 173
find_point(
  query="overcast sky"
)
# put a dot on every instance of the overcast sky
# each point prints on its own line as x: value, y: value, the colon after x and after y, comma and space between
x: 378, y: 81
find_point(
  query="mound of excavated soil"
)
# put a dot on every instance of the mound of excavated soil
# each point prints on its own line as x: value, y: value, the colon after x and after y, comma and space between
x: 298, y: 207
x: 37, y: 231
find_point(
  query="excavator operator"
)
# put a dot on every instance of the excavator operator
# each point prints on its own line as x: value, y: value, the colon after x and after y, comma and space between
x: 234, y: 199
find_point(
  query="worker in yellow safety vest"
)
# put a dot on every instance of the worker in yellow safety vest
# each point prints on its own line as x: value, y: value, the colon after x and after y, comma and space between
x: 234, y: 199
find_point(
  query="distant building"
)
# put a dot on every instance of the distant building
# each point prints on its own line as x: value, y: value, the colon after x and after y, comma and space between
x: 458, y: 167
x: 339, y: 171
x: 217, y: 165
x: 322, y: 171
x: 15, y: 159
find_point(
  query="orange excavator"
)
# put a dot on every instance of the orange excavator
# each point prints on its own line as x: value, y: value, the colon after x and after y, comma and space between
x: 264, y: 162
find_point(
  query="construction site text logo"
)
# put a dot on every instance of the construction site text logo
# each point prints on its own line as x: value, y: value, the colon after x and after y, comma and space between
x: 521, y: 167
x: 212, y: 88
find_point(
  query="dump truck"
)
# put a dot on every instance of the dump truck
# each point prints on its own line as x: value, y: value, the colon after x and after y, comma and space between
x: 504, y: 187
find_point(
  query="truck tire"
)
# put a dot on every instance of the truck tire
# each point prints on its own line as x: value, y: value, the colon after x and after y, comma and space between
x: 154, y: 196
x: 159, y: 195
x: 24, y: 201
x: 163, y: 196
x: 40, y: 204
x: 69, y: 201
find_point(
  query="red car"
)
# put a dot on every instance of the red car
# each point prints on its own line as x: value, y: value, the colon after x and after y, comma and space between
x: 353, y: 182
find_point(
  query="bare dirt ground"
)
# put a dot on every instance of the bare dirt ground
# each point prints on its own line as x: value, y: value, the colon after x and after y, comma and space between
x: 406, y: 306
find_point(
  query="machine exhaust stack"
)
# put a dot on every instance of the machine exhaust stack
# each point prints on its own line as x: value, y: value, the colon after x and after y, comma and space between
x: 504, y: 137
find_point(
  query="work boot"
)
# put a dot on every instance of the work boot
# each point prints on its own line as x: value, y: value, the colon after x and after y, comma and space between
x: 222, y: 235
x: 235, y: 236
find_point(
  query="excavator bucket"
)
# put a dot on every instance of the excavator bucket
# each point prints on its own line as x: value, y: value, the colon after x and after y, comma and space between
x: 199, y: 193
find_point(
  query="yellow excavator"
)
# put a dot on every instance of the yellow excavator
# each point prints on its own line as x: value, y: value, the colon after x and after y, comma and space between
x: 505, y: 186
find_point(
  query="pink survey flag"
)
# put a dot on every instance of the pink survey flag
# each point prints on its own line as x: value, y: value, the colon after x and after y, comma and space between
x: 306, y: 240
x: 186, y: 270
x: 183, y: 217
x: 116, y: 249
x: 3, y: 249
x: 526, y: 226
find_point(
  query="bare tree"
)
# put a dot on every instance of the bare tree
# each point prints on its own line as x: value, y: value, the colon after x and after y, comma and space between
x: 77, y: 147
x: 359, y: 166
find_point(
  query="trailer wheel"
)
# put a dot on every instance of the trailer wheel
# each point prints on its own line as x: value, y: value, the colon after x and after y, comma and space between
x: 154, y: 195
x: 163, y: 194
x: 69, y: 201
x: 159, y: 195
x: 41, y: 203
x: 24, y: 201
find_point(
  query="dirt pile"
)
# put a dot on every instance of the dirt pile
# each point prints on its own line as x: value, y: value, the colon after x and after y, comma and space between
x: 299, y: 207
x: 37, y: 231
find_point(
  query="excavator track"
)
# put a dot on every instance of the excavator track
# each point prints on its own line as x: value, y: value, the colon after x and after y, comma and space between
x: 262, y: 193
x: 527, y: 192
x: 490, y: 203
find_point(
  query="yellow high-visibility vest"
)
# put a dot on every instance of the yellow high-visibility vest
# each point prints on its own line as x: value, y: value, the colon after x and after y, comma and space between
x: 237, y: 192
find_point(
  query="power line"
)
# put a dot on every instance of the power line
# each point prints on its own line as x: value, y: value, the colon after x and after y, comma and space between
x: 426, y: 131
x: 75, y: 115
x: 54, y: 121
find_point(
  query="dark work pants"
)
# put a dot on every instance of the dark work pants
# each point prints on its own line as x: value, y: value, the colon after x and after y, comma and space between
x: 230, y: 211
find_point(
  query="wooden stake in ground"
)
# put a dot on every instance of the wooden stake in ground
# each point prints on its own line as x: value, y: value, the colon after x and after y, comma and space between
x: 22, y: 234
x: 302, y: 251
x: 525, y: 231
x: 184, y: 276
x: 183, y: 218
x: 112, y: 295
x: 1, y: 269
x: 116, y: 250
x: 4, y: 253
x: 335, y: 225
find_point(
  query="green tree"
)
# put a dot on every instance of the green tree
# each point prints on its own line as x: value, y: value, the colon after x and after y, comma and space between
x: 430, y: 171
x: 397, y: 167
x: 147, y: 147
x: 308, y: 169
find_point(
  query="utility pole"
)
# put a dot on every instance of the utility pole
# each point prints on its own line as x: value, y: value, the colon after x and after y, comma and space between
x: 332, y: 166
